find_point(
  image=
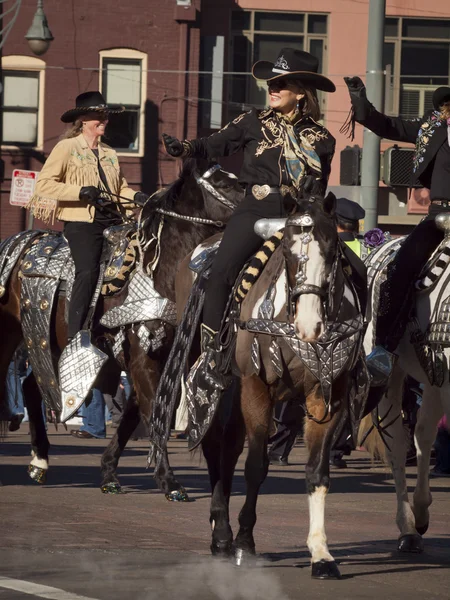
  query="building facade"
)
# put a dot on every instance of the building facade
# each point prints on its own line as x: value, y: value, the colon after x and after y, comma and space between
x: 136, y: 52
x: 182, y: 67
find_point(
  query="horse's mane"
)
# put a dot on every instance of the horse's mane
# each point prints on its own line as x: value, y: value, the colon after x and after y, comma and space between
x: 167, y: 197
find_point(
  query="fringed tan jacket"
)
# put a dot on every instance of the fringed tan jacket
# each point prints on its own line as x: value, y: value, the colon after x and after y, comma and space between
x: 70, y: 166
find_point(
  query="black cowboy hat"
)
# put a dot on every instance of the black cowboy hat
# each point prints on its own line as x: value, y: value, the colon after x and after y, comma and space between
x: 89, y: 102
x: 293, y: 64
x: 440, y: 95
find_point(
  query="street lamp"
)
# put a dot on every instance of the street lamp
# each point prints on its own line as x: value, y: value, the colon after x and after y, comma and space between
x: 39, y: 35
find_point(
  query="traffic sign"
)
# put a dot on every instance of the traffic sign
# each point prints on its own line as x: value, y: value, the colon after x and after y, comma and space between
x: 22, y: 187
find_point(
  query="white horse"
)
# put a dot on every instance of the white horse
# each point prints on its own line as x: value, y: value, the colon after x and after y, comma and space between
x: 412, y: 520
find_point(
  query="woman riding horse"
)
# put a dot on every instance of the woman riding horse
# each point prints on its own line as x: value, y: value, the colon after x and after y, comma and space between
x: 77, y: 171
x: 283, y: 145
x: 431, y: 166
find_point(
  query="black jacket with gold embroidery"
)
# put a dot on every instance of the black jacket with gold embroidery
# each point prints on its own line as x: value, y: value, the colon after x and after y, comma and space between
x: 259, y: 134
x: 428, y: 133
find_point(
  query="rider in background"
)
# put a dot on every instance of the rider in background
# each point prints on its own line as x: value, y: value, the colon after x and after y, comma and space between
x: 283, y: 145
x: 77, y: 171
x: 431, y: 165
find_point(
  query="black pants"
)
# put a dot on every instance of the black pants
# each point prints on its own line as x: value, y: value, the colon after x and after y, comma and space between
x: 239, y: 243
x: 396, y: 293
x: 289, y: 421
x: 86, y: 244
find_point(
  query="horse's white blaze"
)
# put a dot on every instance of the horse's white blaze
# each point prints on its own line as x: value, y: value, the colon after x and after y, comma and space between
x: 308, y: 311
x: 41, y: 463
x: 280, y: 297
x: 317, y: 539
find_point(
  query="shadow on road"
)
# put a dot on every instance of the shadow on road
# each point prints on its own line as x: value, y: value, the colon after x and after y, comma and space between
x: 362, y: 554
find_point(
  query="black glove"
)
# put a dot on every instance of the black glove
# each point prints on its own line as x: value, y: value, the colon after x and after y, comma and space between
x: 140, y: 198
x: 356, y: 87
x: 90, y: 194
x: 173, y: 146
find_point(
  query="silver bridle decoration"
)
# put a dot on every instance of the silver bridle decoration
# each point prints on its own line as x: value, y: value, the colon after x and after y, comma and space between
x: 300, y: 288
x: 203, y: 182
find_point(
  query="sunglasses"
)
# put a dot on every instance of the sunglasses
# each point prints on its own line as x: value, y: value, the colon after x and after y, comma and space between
x: 282, y: 85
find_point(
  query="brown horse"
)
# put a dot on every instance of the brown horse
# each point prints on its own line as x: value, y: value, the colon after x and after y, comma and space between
x: 302, y: 310
x: 190, y: 210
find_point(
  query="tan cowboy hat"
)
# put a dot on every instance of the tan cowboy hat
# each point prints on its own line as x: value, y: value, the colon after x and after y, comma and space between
x: 293, y: 64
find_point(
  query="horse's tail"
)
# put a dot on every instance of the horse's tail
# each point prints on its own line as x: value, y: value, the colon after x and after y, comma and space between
x: 369, y: 437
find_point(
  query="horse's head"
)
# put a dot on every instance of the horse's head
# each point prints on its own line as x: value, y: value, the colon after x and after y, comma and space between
x: 221, y: 191
x: 309, y: 246
x: 201, y: 190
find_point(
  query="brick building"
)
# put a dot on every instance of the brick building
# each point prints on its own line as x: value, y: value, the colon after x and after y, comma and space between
x: 138, y: 53
x: 110, y: 48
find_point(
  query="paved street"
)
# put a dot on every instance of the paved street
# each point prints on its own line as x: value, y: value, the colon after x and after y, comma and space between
x: 67, y: 541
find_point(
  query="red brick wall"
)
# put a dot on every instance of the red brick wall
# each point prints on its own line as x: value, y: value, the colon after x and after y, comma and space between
x: 81, y: 29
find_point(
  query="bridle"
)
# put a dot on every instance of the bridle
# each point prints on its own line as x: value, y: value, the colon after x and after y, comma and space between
x: 144, y: 242
x: 203, y: 182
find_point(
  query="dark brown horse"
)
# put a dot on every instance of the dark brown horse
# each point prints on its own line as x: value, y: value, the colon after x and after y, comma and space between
x: 310, y: 299
x: 192, y: 209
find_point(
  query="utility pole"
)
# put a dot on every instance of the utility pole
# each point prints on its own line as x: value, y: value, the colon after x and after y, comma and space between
x: 370, y: 164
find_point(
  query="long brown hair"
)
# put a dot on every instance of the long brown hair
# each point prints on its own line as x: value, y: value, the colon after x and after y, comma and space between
x: 309, y: 105
x: 74, y: 130
x: 445, y: 110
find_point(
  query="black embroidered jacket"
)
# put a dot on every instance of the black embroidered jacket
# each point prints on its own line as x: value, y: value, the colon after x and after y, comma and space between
x: 428, y: 133
x: 259, y: 134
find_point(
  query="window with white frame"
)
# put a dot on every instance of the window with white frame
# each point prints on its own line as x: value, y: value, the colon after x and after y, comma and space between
x: 417, y: 55
x: 123, y: 82
x: 260, y: 35
x: 23, y: 98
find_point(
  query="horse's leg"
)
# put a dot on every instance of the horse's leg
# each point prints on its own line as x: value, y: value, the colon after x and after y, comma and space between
x: 318, y: 440
x: 145, y: 373
x: 390, y: 411
x: 222, y: 447
x: 424, y: 436
x: 110, y: 458
x: 38, y: 467
x: 256, y: 407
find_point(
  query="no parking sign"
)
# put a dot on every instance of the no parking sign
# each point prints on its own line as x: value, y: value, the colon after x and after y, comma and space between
x: 22, y: 187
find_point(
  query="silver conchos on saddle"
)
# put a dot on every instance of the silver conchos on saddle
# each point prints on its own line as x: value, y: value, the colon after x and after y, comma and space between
x: 41, y: 268
x: 143, y: 303
x: 10, y: 251
x: 79, y: 365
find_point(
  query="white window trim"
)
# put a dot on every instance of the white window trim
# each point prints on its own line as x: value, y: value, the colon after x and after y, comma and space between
x: 29, y: 63
x: 122, y: 53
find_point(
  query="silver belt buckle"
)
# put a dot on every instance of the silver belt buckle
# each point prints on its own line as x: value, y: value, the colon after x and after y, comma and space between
x: 261, y: 191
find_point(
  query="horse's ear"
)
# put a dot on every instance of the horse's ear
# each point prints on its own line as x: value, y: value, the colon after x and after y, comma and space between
x: 329, y: 204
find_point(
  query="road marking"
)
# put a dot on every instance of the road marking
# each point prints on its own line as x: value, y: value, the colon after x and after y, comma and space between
x: 42, y: 591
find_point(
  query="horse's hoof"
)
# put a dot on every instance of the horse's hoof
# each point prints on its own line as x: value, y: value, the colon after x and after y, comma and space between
x: 410, y: 542
x: 421, y: 530
x: 325, y: 569
x: 113, y: 487
x: 221, y: 548
x: 178, y: 496
x: 244, y: 557
x: 37, y: 474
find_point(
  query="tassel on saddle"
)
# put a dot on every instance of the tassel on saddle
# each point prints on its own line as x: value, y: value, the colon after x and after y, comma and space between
x: 256, y: 265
